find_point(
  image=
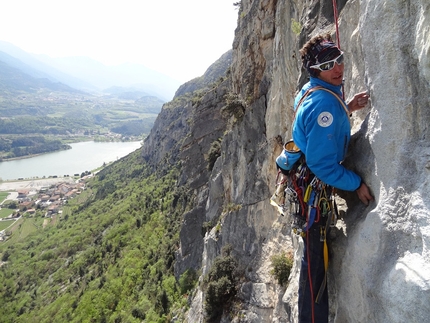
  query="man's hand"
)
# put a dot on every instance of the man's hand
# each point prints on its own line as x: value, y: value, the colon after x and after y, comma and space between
x: 359, y: 101
x: 364, y: 194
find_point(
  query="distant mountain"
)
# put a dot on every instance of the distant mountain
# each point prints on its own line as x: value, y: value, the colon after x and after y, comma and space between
x: 28, y: 64
x: 124, y: 75
x: 90, y: 75
x: 126, y: 93
x: 14, y: 80
x: 18, y: 64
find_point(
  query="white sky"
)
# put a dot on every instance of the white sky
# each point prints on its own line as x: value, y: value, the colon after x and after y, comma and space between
x: 180, y: 38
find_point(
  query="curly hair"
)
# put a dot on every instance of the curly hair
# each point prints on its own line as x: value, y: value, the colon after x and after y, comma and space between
x: 308, y: 52
x: 314, y: 40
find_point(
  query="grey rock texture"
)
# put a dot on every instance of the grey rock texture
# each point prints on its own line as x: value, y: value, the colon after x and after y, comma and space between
x: 380, y: 264
x: 212, y: 74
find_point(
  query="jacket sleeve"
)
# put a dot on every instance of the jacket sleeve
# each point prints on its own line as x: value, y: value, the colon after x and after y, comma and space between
x: 327, y: 144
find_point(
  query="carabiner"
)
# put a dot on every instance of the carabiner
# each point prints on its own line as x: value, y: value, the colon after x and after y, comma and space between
x: 314, y: 181
x: 324, y: 205
x: 289, y: 191
x: 308, y: 192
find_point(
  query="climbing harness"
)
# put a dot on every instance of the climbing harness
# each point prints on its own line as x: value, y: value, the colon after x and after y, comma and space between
x: 299, y: 192
x: 309, y: 199
x: 297, y: 185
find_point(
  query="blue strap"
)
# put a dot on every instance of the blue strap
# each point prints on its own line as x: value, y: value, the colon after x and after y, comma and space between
x: 313, y: 210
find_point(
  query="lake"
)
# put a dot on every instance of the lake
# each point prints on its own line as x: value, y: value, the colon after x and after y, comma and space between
x: 84, y: 156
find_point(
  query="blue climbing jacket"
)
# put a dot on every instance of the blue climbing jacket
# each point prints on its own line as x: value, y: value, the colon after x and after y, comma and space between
x: 322, y: 131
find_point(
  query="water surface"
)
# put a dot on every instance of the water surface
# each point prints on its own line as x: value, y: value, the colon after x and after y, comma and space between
x: 84, y: 156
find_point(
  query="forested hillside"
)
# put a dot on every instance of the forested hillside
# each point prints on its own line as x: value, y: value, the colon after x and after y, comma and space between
x: 107, y: 258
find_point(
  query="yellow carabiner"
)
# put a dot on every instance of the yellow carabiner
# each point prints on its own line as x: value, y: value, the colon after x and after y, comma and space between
x: 307, y: 194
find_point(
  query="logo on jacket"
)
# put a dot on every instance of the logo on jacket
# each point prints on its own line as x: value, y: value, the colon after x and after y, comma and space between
x: 325, y: 119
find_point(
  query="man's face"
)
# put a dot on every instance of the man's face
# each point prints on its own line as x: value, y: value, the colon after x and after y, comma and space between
x: 333, y: 76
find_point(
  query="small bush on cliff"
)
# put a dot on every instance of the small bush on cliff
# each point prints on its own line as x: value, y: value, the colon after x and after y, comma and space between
x: 221, y: 285
x: 187, y: 281
x: 234, y: 107
x: 296, y: 27
x: 214, y: 153
x: 282, y: 265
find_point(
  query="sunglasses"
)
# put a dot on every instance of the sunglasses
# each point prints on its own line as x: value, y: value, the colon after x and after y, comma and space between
x: 327, y: 66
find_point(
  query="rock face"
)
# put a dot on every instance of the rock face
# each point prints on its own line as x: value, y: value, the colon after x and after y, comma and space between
x: 380, y: 261
x: 212, y: 74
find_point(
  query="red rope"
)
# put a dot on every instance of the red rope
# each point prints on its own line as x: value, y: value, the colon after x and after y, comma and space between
x: 311, y: 288
x: 307, y: 231
x: 335, y: 15
x: 337, y: 23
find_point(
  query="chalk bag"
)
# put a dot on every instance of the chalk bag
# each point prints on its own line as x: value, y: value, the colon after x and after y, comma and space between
x: 289, y: 156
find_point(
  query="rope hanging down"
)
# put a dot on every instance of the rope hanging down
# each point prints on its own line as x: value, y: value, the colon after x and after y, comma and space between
x: 337, y: 23
x: 336, y: 20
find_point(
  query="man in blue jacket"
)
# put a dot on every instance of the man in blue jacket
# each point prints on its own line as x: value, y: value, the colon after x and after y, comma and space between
x: 322, y: 131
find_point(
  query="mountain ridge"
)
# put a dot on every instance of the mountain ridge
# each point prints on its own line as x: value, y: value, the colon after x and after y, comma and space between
x: 90, y: 75
x: 14, y: 81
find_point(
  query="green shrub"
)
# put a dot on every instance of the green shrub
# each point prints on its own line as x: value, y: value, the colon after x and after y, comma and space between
x: 282, y: 265
x: 214, y: 153
x: 296, y: 27
x: 221, y: 286
x: 231, y: 207
x: 207, y: 226
x: 234, y: 107
x: 5, y: 256
x: 187, y: 281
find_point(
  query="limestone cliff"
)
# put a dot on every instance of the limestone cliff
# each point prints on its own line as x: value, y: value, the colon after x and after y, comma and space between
x: 379, y: 265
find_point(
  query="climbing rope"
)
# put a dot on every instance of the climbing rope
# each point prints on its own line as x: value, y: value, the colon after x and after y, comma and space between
x: 325, y: 229
x: 336, y: 22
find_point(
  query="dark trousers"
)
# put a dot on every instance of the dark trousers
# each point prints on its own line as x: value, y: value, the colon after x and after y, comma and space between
x: 312, y: 272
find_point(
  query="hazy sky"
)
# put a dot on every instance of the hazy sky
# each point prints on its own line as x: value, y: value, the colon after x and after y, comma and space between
x: 180, y: 38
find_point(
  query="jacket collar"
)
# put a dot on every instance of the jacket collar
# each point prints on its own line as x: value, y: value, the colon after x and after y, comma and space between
x: 314, y: 81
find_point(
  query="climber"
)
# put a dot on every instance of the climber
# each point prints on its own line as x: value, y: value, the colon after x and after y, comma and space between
x: 321, y: 130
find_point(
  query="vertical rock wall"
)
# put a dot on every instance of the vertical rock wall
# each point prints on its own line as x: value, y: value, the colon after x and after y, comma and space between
x: 383, y: 266
x: 379, y: 267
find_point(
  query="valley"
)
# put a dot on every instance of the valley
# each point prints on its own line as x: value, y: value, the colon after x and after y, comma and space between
x: 36, y: 123
x: 42, y: 109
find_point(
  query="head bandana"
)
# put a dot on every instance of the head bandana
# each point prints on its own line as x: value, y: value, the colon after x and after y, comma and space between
x: 319, y: 53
